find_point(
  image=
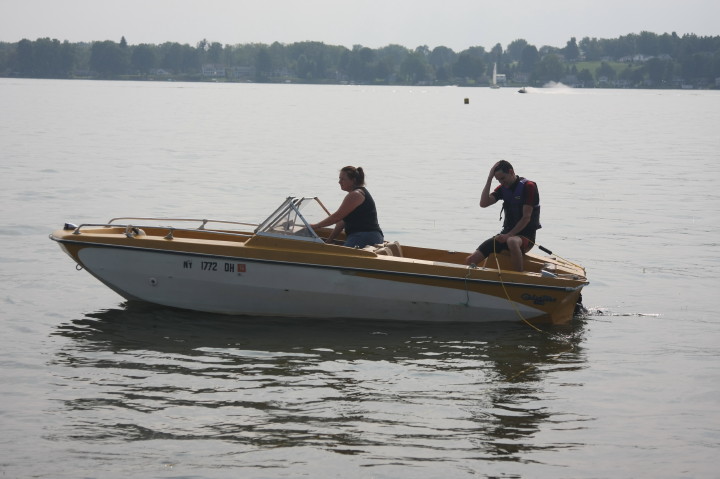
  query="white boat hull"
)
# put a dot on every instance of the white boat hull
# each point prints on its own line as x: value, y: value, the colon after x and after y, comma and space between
x: 267, y: 288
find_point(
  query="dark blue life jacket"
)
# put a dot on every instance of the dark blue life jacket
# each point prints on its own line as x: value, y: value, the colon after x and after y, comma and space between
x: 513, y: 201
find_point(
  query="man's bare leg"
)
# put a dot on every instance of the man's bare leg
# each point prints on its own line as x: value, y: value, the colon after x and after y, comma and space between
x: 516, y: 255
x: 474, y: 258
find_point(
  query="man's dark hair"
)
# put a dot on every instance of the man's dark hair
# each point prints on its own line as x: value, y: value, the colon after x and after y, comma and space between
x: 504, y: 166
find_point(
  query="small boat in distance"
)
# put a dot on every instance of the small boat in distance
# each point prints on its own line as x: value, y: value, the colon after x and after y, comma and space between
x: 284, y: 268
x: 522, y: 90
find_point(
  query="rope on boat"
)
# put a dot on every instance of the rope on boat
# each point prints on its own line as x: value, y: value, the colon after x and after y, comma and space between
x: 507, y: 295
x: 514, y: 305
x: 467, y: 290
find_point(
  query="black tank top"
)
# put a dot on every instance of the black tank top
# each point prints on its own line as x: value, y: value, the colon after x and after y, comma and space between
x: 364, y: 217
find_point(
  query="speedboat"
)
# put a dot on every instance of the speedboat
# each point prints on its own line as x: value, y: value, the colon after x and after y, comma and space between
x: 282, y: 267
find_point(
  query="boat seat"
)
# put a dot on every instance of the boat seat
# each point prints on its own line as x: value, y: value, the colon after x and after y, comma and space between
x: 389, y: 249
x: 395, y: 248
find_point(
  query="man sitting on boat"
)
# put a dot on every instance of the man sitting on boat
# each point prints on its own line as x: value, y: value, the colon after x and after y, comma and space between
x: 521, y: 203
x: 357, y: 213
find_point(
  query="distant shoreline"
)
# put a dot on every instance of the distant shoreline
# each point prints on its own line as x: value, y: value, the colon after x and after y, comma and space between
x: 644, y: 61
x: 288, y: 82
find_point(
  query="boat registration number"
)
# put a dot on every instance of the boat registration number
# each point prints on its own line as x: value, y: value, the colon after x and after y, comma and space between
x: 216, y: 266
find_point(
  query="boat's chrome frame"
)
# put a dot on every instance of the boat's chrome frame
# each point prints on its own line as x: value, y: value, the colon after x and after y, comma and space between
x: 288, y: 221
x: 285, y: 222
x: 136, y: 229
x: 203, y: 221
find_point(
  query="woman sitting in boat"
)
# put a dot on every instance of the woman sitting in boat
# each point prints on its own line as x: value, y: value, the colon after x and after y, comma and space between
x: 357, y: 213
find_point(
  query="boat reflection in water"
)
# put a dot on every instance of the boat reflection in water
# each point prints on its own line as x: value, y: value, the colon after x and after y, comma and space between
x: 379, y: 389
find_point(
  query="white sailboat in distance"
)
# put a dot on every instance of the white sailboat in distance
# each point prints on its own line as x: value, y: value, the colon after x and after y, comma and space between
x: 494, y: 77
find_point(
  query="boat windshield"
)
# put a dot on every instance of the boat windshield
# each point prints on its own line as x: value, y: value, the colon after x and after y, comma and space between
x: 293, y: 219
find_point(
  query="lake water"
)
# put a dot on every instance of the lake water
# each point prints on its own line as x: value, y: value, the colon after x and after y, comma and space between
x: 94, y: 387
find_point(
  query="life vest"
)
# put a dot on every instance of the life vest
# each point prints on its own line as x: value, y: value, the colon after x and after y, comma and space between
x: 513, y: 201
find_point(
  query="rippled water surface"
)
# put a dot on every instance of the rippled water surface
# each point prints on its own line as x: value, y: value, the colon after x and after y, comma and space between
x: 100, y: 388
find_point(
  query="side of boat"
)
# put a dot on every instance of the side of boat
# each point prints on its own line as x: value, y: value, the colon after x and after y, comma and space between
x: 245, y: 273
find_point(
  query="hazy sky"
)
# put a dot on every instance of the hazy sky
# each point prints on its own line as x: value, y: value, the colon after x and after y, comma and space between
x: 457, y: 24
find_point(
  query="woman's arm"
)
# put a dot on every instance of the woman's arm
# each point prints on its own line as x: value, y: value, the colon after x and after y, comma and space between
x: 339, y: 226
x: 352, y: 200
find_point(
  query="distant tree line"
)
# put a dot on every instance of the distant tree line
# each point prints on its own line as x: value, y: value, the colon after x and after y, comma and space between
x: 644, y: 60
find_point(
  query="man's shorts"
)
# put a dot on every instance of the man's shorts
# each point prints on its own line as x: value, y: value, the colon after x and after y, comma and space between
x: 490, y: 246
